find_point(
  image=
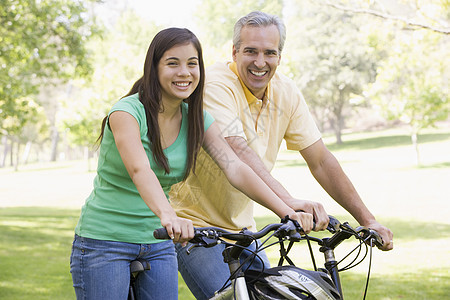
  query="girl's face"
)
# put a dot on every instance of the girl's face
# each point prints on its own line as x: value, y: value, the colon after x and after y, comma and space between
x: 179, y: 72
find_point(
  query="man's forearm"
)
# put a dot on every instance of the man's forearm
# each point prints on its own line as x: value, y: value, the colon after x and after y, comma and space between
x: 336, y: 183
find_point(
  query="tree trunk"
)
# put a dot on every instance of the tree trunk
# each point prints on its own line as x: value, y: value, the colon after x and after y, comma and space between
x: 26, y: 152
x: 339, y: 118
x: 17, y: 160
x: 11, y: 154
x: 5, y: 151
x: 87, y: 157
x: 55, y: 138
x: 338, y: 134
x: 416, y: 147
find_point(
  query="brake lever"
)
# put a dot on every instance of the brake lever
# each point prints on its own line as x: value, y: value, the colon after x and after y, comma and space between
x: 290, y: 229
x: 367, y: 233
x: 203, y: 241
x: 378, y: 240
x: 334, y: 225
x: 203, y: 238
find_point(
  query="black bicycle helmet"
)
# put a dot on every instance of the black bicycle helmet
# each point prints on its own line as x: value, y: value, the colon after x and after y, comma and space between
x: 290, y: 282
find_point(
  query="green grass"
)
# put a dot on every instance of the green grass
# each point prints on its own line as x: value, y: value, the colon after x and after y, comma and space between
x: 36, y: 241
x: 41, y: 206
x: 355, y: 142
x: 34, y: 253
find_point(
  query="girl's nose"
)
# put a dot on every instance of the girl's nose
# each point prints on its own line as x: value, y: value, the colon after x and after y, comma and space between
x: 184, y: 71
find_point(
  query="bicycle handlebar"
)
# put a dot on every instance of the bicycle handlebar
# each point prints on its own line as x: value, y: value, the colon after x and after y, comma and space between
x: 209, y: 236
x: 216, y: 232
x: 287, y: 230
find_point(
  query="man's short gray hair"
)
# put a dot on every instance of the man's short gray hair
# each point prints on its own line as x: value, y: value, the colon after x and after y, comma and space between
x: 259, y: 19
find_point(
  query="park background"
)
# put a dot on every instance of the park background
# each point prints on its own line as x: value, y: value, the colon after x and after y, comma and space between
x: 375, y: 75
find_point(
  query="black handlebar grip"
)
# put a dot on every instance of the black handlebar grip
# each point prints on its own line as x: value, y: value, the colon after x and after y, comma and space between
x: 161, y: 234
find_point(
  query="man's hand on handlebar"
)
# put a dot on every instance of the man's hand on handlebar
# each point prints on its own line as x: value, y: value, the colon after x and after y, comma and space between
x: 314, y: 208
x: 385, y: 233
x: 305, y: 220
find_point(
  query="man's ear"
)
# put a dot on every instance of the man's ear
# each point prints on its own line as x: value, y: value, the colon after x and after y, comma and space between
x: 234, y: 53
x: 279, y: 59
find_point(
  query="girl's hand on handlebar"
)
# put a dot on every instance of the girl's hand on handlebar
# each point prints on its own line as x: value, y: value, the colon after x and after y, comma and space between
x: 180, y: 230
x: 305, y: 220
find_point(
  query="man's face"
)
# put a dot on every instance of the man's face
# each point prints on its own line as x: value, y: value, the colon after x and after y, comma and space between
x: 257, y: 57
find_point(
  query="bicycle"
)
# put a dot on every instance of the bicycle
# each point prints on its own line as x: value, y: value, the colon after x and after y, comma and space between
x: 136, y: 267
x: 284, y: 281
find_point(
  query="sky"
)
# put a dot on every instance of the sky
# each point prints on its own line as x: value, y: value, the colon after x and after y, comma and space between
x: 177, y: 13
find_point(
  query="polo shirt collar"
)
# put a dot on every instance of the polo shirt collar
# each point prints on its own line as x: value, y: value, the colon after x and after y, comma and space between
x: 248, y: 95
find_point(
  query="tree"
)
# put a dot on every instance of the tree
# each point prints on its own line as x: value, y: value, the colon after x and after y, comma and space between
x: 412, y: 81
x: 412, y: 84
x: 118, y: 62
x: 27, y: 111
x: 42, y: 42
x: 330, y: 59
x: 431, y: 14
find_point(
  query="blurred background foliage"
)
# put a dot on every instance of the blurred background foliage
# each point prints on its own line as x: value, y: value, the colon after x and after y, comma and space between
x: 362, y: 65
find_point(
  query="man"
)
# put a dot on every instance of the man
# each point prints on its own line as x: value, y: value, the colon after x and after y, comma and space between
x: 256, y: 108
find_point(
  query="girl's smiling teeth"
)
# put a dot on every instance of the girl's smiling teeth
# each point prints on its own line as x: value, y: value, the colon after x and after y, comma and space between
x: 181, y: 84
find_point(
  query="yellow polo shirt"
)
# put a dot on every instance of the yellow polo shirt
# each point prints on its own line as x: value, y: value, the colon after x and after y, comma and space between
x: 207, y: 198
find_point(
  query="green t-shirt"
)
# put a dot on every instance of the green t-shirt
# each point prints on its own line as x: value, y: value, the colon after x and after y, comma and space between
x: 114, y: 210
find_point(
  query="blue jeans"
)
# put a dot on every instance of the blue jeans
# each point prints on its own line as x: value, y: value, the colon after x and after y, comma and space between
x: 204, y: 270
x: 101, y: 269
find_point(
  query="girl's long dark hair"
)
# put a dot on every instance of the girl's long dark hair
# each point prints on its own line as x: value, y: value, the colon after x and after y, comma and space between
x: 149, y: 89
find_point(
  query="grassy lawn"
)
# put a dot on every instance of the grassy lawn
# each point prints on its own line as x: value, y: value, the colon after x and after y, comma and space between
x: 39, y: 208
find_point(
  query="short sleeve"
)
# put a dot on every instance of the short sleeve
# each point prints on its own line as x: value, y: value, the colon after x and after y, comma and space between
x: 221, y: 104
x: 207, y: 119
x: 302, y: 130
x: 134, y: 107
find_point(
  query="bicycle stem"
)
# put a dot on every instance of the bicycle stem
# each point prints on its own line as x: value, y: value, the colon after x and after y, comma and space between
x: 331, y: 266
x: 328, y: 246
x: 237, y: 275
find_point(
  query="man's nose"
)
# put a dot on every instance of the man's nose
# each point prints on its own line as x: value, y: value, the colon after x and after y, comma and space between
x: 260, y: 61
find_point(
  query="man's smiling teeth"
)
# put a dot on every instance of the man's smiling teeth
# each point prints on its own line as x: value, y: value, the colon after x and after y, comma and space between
x: 258, y: 73
x: 181, y: 83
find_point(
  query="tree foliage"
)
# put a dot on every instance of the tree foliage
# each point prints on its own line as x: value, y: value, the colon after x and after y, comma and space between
x: 330, y: 59
x: 335, y: 50
x: 118, y: 62
x: 412, y: 14
x: 39, y: 41
x: 412, y: 85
